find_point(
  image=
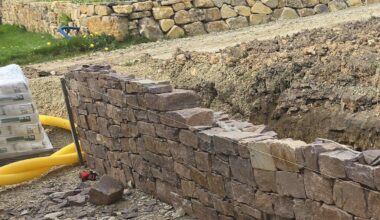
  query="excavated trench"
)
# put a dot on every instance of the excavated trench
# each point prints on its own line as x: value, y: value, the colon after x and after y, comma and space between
x: 318, y: 83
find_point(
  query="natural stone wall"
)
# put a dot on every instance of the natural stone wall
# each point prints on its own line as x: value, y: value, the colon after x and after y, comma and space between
x: 169, y: 18
x: 158, y: 138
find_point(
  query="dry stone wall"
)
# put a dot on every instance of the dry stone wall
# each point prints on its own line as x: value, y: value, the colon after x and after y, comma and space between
x: 146, y: 133
x: 168, y: 18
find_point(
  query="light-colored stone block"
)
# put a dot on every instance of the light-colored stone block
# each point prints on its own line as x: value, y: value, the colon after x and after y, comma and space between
x: 261, y: 157
x: 287, y: 154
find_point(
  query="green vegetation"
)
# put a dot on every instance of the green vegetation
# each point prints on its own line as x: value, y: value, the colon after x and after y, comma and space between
x: 22, y: 47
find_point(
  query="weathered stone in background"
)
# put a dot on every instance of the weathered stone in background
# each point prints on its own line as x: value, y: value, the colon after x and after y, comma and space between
x: 150, y: 29
x: 175, y: 32
x: 227, y: 11
x: 106, y: 191
x: 321, y: 8
x: 332, y: 164
x: 288, y: 13
x: 260, y: 8
x: 142, y: 6
x: 361, y: 174
x: 256, y: 19
x: 265, y: 180
x: 287, y: 154
x: 337, y: 5
x: 332, y: 212
x: 123, y: 9
x: 213, y: 14
x: 243, y: 10
x: 261, y: 157
x: 264, y: 202
x: 203, y: 3
x: 283, y: 206
x: 216, y: 26
x: 103, y: 10
x: 163, y: 12
x: 176, y: 100
x: 188, y: 117
x: 318, y: 187
x: 238, y: 22
x: 183, y: 17
x: 350, y: 197
x: 270, y: 3
x: 196, y: 28
x: 304, y: 12
x: 290, y: 184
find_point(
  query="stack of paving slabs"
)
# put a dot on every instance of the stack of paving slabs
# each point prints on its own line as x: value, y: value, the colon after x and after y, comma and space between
x: 21, y: 134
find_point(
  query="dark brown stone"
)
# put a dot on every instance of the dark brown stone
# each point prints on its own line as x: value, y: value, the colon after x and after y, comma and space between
x: 202, y: 212
x: 241, y: 170
x: 216, y: 185
x: 106, y: 191
x: 176, y: 100
x: 188, y: 138
x: 203, y: 160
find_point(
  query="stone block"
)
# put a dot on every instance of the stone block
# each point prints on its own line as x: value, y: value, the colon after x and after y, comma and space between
x: 216, y: 184
x: 370, y: 156
x: 150, y: 29
x: 242, y: 193
x: 243, y: 10
x: 188, y: 138
x: 283, y: 207
x: 176, y: 100
x: 188, y: 188
x: 241, y: 170
x: 332, y: 164
x: 265, y: 180
x: 166, y: 24
x: 237, y: 22
x: 311, y: 153
x: 227, y: 11
x: 306, y: 209
x: 321, y: 8
x: 287, y: 154
x: 318, y: 188
x: 290, y: 184
x: 288, y: 13
x: 264, y: 202
x: 337, y: 5
x: 179, y: 6
x: 373, y: 204
x: 203, y: 160
x: 188, y: 117
x: 270, y: 3
x: 198, y: 14
x: 122, y: 9
x: 248, y: 212
x: 106, y: 191
x: 164, y: 191
x: 103, y: 10
x: 167, y: 132
x: 225, y: 207
x: 129, y: 130
x: 220, y: 166
x: 260, y: 8
x: 182, y: 170
x: 175, y: 32
x: 199, y: 177
x: 360, y: 173
x: 350, y: 197
x: 202, y: 212
x: 142, y: 6
x: 183, y: 17
x: 261, y: 157
x: 193, y: 29
x: 332, y: 212
x: 213, y: 14
x: 227, y: 142
x: 304, y: 12
x: 203, y: 3
x: 256, y: 19
x: 183, y: 154
x: 216, y: 26
x: 140, y: 14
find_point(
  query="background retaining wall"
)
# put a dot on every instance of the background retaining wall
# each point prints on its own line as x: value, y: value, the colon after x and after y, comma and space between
x: 146, y: 133
x: 169, y: 18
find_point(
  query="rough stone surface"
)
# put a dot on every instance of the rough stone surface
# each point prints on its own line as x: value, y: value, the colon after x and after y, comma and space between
x: 261, y: 157
x: 176, y: 100
x: 196, y: 28
x: 162, y: 12
x: 227, y: 11
x: 318, y: 188
x: 107, y: 191
x: 150, y: 29
x: 332, y: 164
x: 290, y: 184
x: 287, y: 154
x: 350, y: 197
x: 175, y: 32
x: 260, y: 8
x: 288, y: 13
x: 166, y: 24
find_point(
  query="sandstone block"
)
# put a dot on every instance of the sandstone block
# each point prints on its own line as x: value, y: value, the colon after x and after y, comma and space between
x: 213, y: 14
x: 188, y: 138
x: 182, y: 170
x: 360, y: 173
x: 167, y: 132
x: 332, y: 164
x: 332, y: 212
x: 220, y: 166
x: 218, y: 3
x: 260, y: 8
x: 350, y: 197
x: 123, y: 9
x: 142, y: 6
x: 203, y: 3
x: 373, y: 204
x: 304, y: 12
x: 146, y: 128
x: 261, y: 157
x: 247, y: 212
x: 270, y: 3
x: 150, y: 29
x: 225, y: 207
x: 290, y: 184
x: 256, y: 19
x: 283, y: 206
x: 188, y: 188
x: 188, y: 117
x: 183, y: 17
x: 198, y: 14
x: 287, y: 154
x: 306, y: 209
x: 250, y: 2
x: 103, y: 10
x: 227, y: 11
x: 140, y: 14
x: 237, y: 22
x: 243, y: 10
x: 162, y: 12
x: 241, y: 170
x: 337, y: 5
x: 204, y: 197
x: 106, y: 191
x: 264, y: 202
x: 227, y: 142
x: 242, y: 193
x: 183, y: 154
x: 113, y: 25
x: 203, y: 160
x: 294, y: 4
x: 318, y: 187
x: 216, y: 184
x: 196, y: 28
x: 310, y: 3
x: 199, y: 177
x: 175, y: 32
x: 288, y: 13
x: 203, y: 212
x: 179, y: 6
x: 265, y: 180
x: 176, y: 100
x: 237, y: 2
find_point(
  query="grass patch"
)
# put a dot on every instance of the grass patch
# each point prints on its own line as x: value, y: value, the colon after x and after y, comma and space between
x: 22, y: 47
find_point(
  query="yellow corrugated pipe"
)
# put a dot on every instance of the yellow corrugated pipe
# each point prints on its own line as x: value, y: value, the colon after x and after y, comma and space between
x: 25, y: 170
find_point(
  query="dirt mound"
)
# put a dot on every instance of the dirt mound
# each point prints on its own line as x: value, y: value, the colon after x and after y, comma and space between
x: 318, y: 83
